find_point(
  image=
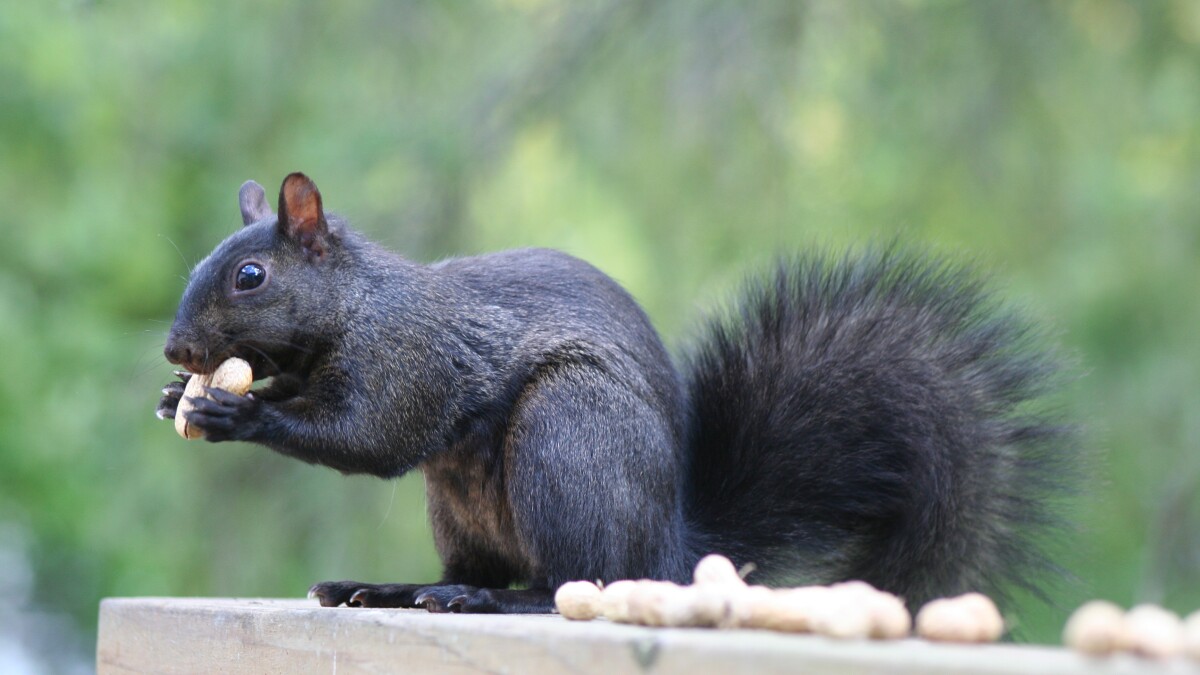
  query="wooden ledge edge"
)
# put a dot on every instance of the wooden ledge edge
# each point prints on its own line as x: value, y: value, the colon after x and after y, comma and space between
x: 258, y: 635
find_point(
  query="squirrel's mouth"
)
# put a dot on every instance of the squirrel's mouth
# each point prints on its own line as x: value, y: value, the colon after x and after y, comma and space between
x: 263, y: 361
x: 198, y: 365
x: 262, y: 365
x: 267, y: 362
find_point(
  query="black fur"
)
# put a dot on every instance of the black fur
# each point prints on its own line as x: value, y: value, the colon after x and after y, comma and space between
x: 868, y: 418
x: 875, y: 418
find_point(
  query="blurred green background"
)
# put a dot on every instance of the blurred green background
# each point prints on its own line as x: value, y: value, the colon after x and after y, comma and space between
x: 676, y: 144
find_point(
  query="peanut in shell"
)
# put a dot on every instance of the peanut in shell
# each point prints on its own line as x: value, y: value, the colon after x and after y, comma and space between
x: 233, y: 376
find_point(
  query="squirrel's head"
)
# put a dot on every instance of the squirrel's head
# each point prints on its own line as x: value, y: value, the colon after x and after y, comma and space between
x: 265, y: 292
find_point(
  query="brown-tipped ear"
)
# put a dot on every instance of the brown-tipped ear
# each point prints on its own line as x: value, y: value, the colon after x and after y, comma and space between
x: 301, y: 217
x: 253, y: 200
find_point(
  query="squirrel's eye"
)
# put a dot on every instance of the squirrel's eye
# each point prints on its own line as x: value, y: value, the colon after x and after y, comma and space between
x: 250, y: 276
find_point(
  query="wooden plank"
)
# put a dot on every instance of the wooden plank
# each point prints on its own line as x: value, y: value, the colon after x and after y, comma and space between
x: 200, y: 635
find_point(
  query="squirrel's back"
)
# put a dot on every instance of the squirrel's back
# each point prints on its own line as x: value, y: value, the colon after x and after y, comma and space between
x: 563, y: 307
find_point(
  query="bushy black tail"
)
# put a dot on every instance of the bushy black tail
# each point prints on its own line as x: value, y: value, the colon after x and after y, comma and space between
x: 875, y: 418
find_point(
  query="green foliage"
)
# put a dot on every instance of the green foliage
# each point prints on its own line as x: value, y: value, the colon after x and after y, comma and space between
x: 677, y: 145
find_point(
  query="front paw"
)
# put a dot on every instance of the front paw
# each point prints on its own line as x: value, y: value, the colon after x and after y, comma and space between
x: 172, y: 392
x: 225, y: 416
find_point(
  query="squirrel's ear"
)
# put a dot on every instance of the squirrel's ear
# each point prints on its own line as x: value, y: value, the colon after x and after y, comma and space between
x: 301, y: 217
x: 253, y: 200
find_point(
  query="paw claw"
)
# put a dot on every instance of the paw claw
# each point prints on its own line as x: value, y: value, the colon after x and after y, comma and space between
x: 429, y: 601
x: 323, y: 596
x: 356, y: 600
x: 456, y: 603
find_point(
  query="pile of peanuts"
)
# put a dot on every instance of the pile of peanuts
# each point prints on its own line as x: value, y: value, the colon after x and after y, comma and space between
x: 1100, y: 628
x: 719, y: 598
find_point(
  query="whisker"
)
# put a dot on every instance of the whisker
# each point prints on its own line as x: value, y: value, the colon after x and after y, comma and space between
x: 180, y: 252
x: 144, y: 363
x: 141, y: 371
x: 391, y: 501
x: 246, y: 338
x: 264, y: 355
x: 284, y: 343
x: 143, y: 333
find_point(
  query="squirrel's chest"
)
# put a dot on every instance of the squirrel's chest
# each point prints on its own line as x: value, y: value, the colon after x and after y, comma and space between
x: 470, y: 512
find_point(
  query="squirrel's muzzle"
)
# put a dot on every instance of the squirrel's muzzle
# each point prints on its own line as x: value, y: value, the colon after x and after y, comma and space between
x: 186, y: 353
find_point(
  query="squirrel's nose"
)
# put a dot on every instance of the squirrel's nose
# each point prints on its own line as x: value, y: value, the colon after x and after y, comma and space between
x: 181, y: 352
x: 187, y: 347
x: 177, y: 353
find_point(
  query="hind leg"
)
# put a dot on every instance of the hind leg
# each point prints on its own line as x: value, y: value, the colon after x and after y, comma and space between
x: 592, y: 476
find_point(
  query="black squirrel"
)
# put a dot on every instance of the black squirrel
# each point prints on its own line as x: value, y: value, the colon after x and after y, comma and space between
x: 869, y: 417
